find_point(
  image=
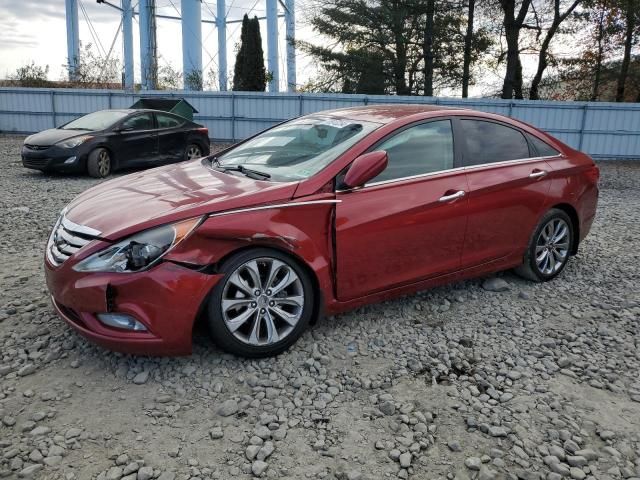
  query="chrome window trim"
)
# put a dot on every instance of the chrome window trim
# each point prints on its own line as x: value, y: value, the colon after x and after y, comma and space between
x: 508, y: 162
x: 449, y: 170
x: 82, y: 229
x: 268, y: 207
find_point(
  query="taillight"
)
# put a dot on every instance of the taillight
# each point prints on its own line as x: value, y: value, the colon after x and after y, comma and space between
x: 593, y: 174
x: 204, y: 130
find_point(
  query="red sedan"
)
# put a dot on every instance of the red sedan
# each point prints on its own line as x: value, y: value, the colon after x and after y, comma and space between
x: 320, y: 214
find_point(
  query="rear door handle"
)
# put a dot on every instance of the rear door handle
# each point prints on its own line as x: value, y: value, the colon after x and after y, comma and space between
x: 537, y: 173
x: 453, y: 196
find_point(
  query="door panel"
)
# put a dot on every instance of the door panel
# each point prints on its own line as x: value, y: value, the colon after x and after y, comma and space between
x: 137, y: 146
x: 505, y: 204
x: 171, y: 138
x: 398, y: 233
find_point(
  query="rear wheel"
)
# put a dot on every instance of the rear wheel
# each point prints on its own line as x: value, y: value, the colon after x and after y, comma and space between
x: 549, y: 248
x: 262, y: 305
x: 192, y: 152
x: 99, y: 163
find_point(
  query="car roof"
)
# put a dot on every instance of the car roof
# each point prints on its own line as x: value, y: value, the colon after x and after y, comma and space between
x: 385, y: 113
x: 140, y: 110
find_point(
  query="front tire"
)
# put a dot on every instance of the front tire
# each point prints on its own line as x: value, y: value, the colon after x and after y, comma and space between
x: 549, y: 247
x: 99, y: 163
x: 192, y: 152
x: 262, y: 305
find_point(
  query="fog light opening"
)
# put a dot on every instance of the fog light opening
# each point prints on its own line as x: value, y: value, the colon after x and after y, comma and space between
x: 121, y: 320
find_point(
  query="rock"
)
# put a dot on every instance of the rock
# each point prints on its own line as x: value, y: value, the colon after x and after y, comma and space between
x: 473, y: 463
x: 114, y: 473
x: 228, y: 408
x: 216, y: 433
x: 388, y: 408
x: 577, y: 473
x: 252, y: 451
x: 259, y: 467
x: 27, y: 370
x: 496, y: 431
x: 606, y: 435
x: 145, y: 473
x: 495, y: 284
x: 141, y: 378
x: 167, y: 476
x: 454, y: 446
x: 405, y: 460
x: 30, y: 471
x: 486, y: 473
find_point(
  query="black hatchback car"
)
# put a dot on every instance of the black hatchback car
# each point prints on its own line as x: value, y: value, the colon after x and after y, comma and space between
x: 107, y: 140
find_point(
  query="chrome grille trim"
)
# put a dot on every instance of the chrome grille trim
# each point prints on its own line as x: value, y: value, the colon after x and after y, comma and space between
x: 68, y: 238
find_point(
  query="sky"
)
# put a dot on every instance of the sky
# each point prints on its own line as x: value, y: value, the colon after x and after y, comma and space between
x: 35, y: 30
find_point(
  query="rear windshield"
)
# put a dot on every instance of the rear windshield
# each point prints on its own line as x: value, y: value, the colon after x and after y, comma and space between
x: 95, y: 121
x: 299, y: 148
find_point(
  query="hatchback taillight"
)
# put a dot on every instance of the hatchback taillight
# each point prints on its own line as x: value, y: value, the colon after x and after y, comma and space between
x: 204, y: 130
x: 593, y: 174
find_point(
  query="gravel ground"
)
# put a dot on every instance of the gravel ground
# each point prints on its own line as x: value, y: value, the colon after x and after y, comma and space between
x: 531, y: 382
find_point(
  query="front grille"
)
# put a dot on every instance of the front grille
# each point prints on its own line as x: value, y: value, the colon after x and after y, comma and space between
x: 34, y: 162
x: 36, y: 148
x: 68, y: 238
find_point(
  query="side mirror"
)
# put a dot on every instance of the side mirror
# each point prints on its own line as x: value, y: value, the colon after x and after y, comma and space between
x: 121, y: 129
x: 365, y: 168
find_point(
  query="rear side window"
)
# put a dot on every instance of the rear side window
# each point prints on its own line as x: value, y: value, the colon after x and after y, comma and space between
x: 423, y: 148
x: 167, y: 121
x: 489, y: 142
x: 543, y: 148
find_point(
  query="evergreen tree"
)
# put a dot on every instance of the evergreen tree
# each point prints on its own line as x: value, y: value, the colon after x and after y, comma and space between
x: 249, y: 72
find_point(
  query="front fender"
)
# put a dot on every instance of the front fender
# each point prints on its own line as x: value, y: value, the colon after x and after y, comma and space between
x: 304, y: 231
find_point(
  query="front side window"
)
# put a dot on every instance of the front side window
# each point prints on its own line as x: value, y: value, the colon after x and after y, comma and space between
x: 489, y: 142
x: 423, y: 148
x: 167, y: 121
x: 143, y: 121
x: 298, y: 149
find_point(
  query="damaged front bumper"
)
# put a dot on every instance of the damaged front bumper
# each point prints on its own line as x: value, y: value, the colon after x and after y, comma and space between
x: 165, y: 300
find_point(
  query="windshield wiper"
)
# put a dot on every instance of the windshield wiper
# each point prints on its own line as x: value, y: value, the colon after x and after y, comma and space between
x: 238, y: 168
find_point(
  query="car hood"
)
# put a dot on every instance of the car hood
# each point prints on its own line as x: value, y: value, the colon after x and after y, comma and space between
x: 53, y: 135
x: 134, y: 202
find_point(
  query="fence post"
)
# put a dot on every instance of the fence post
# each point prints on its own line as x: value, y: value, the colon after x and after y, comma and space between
x: 52, y: 94
x: 300, y: 109
x: 510, y: 108
x: 582, y: 125
x: 109, y: 100
x: 233, y: 117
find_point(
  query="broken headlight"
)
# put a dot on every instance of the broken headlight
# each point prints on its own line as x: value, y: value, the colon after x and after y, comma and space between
x: 138, y: 251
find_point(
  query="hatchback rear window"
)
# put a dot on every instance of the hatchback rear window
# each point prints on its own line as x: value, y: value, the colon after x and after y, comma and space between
x: 489, y: 142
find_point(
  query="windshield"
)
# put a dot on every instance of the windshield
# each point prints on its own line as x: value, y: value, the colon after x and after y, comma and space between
x: 95, y: 121
x: 298, y: 149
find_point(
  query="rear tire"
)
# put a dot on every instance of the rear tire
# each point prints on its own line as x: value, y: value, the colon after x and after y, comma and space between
x: 549, y: 248
x: 262, y: 305
x: 99, y: 163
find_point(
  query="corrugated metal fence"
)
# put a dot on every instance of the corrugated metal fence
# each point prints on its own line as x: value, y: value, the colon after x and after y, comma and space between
x: 605, y: 130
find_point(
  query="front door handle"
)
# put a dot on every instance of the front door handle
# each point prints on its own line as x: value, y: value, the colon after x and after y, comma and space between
x: 538, y: 174
x: 453, y: 196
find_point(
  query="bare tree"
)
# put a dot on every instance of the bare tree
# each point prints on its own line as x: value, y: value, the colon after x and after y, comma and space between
x: 543, y: 54
x: 468, y: 38
x: 513, y: 22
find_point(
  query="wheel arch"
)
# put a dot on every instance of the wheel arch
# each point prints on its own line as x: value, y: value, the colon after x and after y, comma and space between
x: 300, y: 261
x: 575, y: 223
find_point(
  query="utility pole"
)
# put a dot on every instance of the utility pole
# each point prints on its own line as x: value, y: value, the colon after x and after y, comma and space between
x: 192, y: 44
x: 127, y: 40
x: 272, y: 44
x: 73, y: 38
x: 148, y: 45
x: 221, y: 25
x: 290, y: 22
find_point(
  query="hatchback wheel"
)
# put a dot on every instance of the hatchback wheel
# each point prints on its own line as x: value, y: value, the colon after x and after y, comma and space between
x: 262, y: 305
x: 99, y: 163
x: 192, y: 152
x: 549, y: 248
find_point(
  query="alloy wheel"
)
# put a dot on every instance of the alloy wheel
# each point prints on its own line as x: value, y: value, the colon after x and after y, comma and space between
x: 552, y: 246
x: 193, y: 152
x: 104, y: 163
x: 262, y: 301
